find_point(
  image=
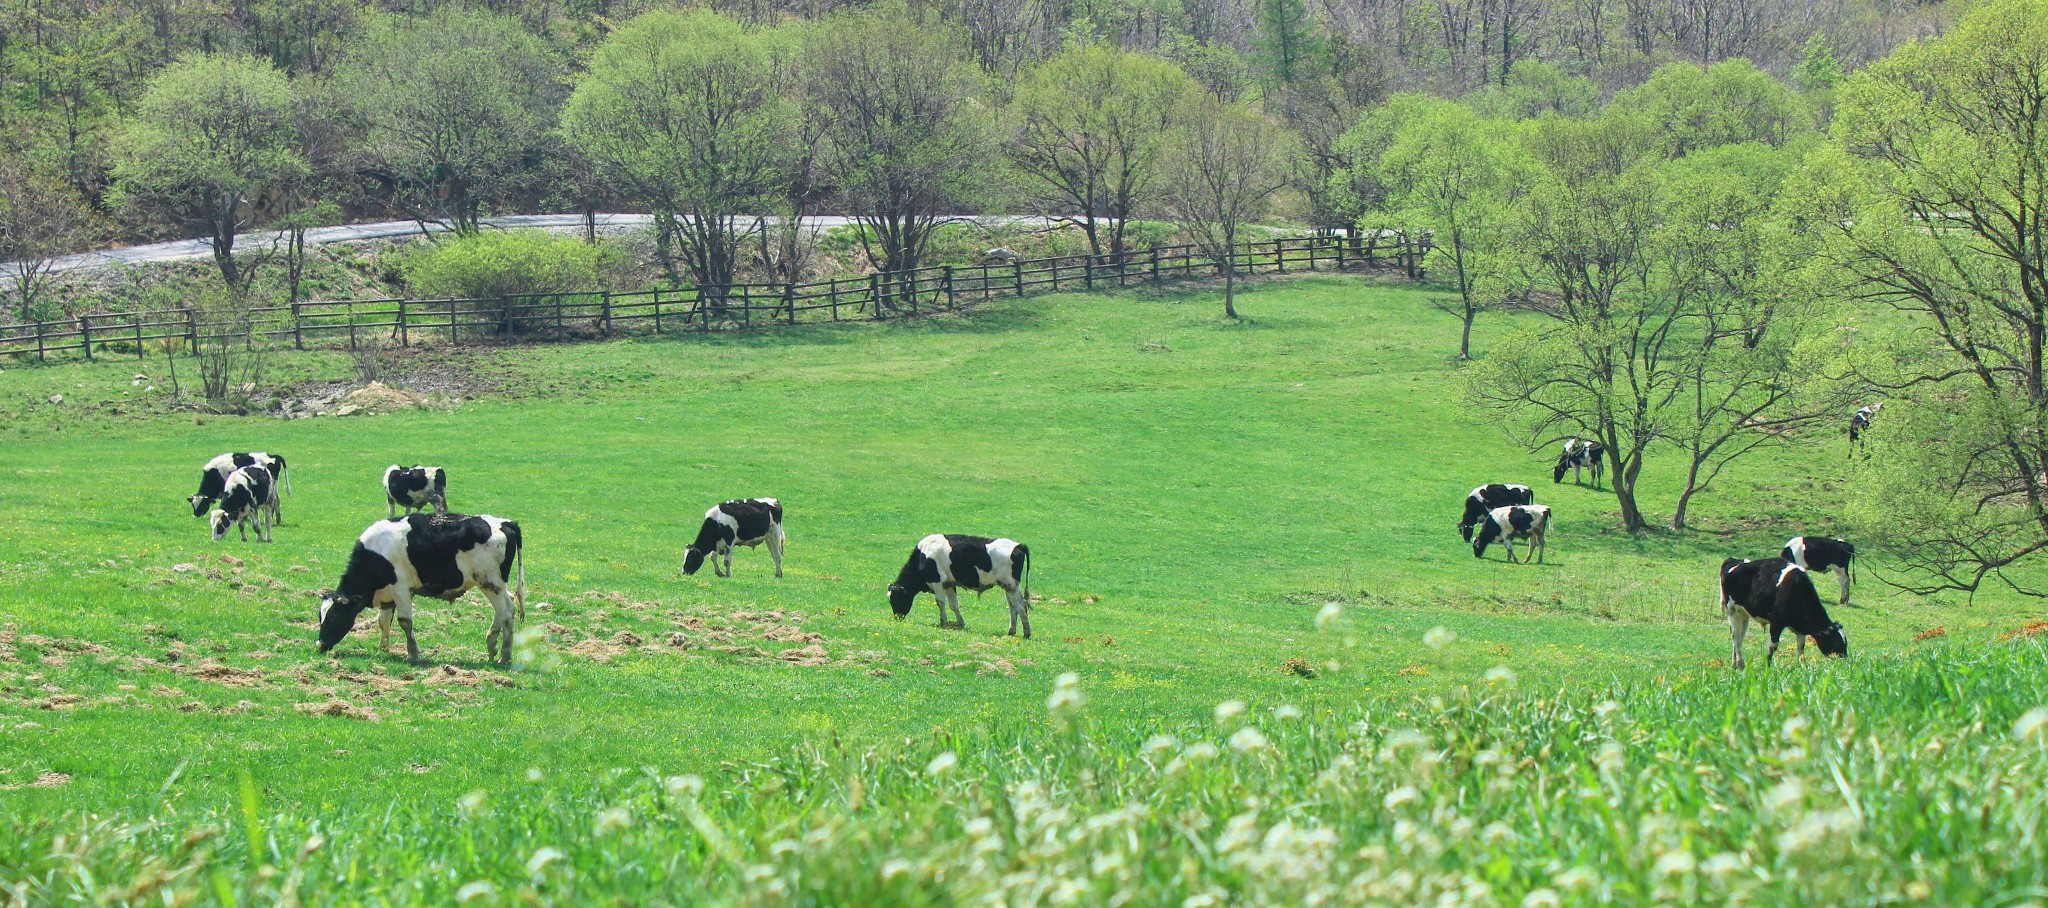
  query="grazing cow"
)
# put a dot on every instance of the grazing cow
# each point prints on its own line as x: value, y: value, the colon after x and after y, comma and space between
x: 415, y: 488
x: 213, y: 479
x: 1776, y: 593
x: 1820, y: 554
x: 438, y: 555
x: 1578, y: 454
x: 1487, y: 497
x: 1860, y: 423
x: 1519, y: 521
x: 743, y: 521
x: 941, y: 563
x: 249, y: 495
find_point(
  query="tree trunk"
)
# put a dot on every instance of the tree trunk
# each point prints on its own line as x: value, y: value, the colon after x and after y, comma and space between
x: 1625, y: 494
x: 1230, y: 285
x: 1692, y: 479
x: 1465, y: 338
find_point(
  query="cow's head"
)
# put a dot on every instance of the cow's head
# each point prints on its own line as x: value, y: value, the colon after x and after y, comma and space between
x: 221, y: 522
x: 1465, y: 530
x: 1832, y: 641
x: 1564, y: 465
x: 199, y: 505
x: 901, y: 598
x: 1488, y: 532
x: 693, y: 558
x: 338, y: 613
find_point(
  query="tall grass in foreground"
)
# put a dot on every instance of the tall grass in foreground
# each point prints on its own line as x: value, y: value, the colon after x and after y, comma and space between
x: 1917, y: 778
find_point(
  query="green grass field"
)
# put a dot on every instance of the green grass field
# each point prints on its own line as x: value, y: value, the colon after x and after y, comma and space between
x: 1195, y: 494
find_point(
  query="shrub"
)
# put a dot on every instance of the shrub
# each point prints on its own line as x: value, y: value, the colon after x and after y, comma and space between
x: 494, y: 264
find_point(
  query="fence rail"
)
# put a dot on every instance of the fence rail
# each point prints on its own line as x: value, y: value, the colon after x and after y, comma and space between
x: 601, y: 314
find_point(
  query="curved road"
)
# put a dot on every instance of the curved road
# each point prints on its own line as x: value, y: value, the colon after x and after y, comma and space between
x: 192, y: 249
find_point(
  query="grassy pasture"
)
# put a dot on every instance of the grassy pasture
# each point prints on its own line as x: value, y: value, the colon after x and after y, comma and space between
x: 1194, y: 492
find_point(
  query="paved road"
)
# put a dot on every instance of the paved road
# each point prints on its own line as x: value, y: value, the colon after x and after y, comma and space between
x: 192, y: 249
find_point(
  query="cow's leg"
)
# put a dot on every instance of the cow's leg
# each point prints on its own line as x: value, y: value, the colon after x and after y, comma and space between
x: 775, y: 541
x: 1842, y: 575
x: 1508, y: 540
x: 1777, y: 631
x: 404, y: 610
x: 1738, y: 626
x: 953, y: 599
x: 499, y: 643
x: 384, y: 627
x: 390, y: 506
x: 1020, y: 611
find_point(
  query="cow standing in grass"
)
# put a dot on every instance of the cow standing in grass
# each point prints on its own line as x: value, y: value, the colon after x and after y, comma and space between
x: 1521, y: 521
x: 1820, y: 554
x: 1580, y: 454
x: 1484, y: 499
x: 746, y: 521
x: 415, y: 488
x: 213, y: 481
x: 943, y: 563
x: 249, y: 496
x: 1776, y: 593
x: 438, y: 555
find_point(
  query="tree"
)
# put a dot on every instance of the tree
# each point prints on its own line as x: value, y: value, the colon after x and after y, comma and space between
x: 680, y: 109
x: 1691, y: 108
x: 1286, y: 38
x: 1227, y: 165
x: 41, y: 218
x: 213, y: 137
x: 1449, y: 172
x: 903, y: 133
x: 1091, y: 127
x: 1932, y: 198
x: 458, y: 108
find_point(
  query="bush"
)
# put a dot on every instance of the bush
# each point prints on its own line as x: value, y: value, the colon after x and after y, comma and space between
x: 494, y: 264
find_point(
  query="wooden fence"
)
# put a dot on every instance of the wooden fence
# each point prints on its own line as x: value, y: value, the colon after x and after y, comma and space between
x: 600, y: 314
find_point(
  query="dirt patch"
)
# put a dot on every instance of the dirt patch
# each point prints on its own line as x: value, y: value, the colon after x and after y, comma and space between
x: 1931, y: 633
x: 2033, y: 627
x: 604, y: 650
x: 222, y: 674
x: 337, y: 707
x: 809, y: 655
x: 44, y: 780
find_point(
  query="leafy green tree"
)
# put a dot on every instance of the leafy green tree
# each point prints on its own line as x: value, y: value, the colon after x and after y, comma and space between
x: 1286, y: 38
x: 212, y: 136
x: 904, y: 136
x: 458, y: 108
x: 680, y: 109
x: 1690, y: 108
x: 1932, y: 196
x: 1092, y: 127
x: 1449, y: 172
x: 1534, y: 88
x: 1818, y: 69
x: 41, y: 218
x: 1227, y: 164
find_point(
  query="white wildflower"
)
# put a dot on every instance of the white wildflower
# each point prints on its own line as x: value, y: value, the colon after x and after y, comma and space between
x: 1794, y: 728
x: 1439, y: 637
x: 1610, y: 757
x: 1107, y: 863
x: 1541, y: 898
x: 1818, y: 827
x: 1784, y: 796
x: 2031, y: 724
x: 981, y: 827
x: 1675, y: 863
x: 1496, y: 833
x: 478, y: 889
x: 1249, y: 739
x: 1209, y: 899
x: 1228, y: 711
x: 1722, y: 865
x: 759, y: 872
x: 1285, y: 712
x: 1576, y: 878
x: 1201, y: 750
x: 1499, y: 676
x: 1606, y: 709
x: 942, y: 764
x: 470, y: 803
x: 614, y: 819
x: 684, y: 785
x: 1068, y: 892
x: 893, y: 868
x: 542, y: 858
x: 1160, y: 744
x: 1066, y: 696
x: 783, y: 848
x: 1401, y: 797
x: 1327, y: 618
x: 533, y: 774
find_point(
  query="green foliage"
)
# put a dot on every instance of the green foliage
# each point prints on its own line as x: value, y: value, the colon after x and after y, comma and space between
x: 1286, y: 39
x: 501, y: 263
x: 1687, y: 108
x: 1534, y: 88
x: 1818, y: 69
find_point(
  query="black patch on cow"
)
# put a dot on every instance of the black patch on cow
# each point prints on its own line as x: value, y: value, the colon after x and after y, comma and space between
x: 1790, y: 602
x: 366, y: 573
x: 1484, y: 499
x: 432, y: 542
x: 408, y: 485
x: 756, y: 518
x: 513, y: 542
x: 1823, y: 553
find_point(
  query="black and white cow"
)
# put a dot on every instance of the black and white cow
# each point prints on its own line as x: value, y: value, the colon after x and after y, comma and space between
x: 1485, y: 498
x: 213, y: 479
x: 415, y: 488
x: 1820, y: 554
x: 742, y: 521
x: 1520, y: 521
x: 249, y: 496
x: 438, y: 555
x: 1860, y: 423
x: 1580, y: 454
x: 944, y: 563
x: 1778, y: 594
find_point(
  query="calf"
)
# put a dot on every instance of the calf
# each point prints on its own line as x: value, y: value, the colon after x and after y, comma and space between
x: 1520, y: 521
x: 414, y: 488
x: 249, y: 495
x: 943, y: 563
x: 1860, y: 423
x: 1821, y: 554
x: 1776, y: 593
x: 1578, y: 454
x: 213, y: 480
x: 1487, y: 497
x: 438, y: 555
x: 745, y: 521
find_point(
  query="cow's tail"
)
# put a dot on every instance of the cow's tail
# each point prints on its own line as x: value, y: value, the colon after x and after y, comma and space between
x: 284, y: 472
x: 1023, y: 556
x: 520, y: 596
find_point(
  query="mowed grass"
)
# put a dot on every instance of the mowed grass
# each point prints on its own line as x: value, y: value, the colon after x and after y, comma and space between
x: 1195, y: 492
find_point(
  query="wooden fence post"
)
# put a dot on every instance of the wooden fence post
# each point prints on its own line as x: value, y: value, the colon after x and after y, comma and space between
x: 404, y: 326
x: 657, y: 312
x: 191, y: 331
x: 453, y: 338
x: 560, y: 332
x: 1088, y: 272
x: 834, y: 291
x: 875, y: 295
x: 40, y: 355
x: 351, y: 325
x: 606, y: 313
x: 1340, y: 253
x: 951, y: 303
x: 1155, y: 266
x: 85, y: 334
x: 138, y: 335
x: 789, y: 300
x: 298, y: 333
